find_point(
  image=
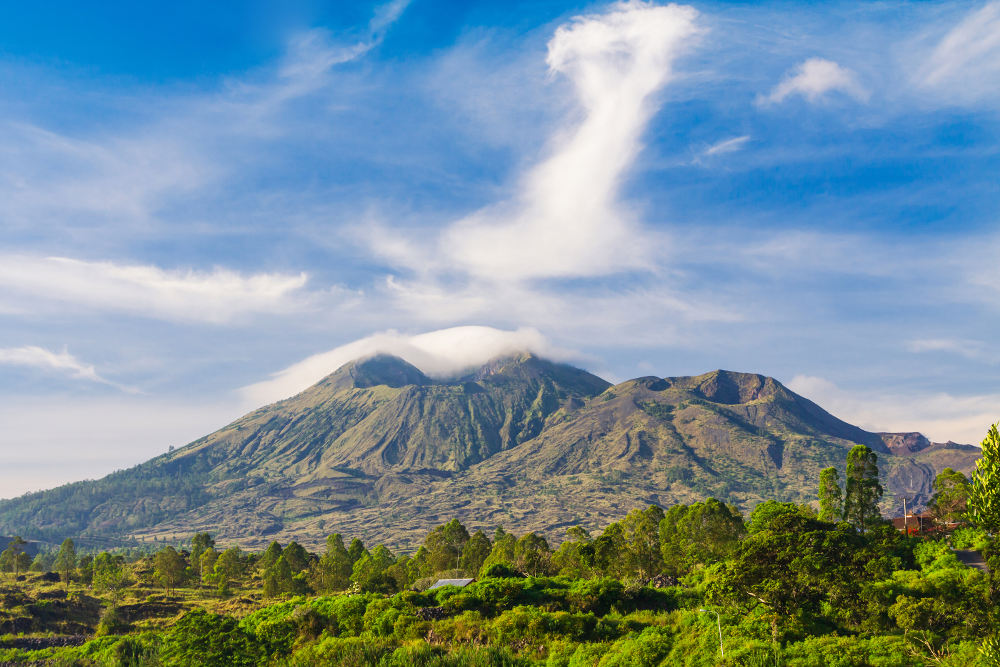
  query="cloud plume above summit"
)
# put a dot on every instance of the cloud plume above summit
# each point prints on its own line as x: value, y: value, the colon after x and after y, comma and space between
x: 437, y: 353
x: 567, y: 218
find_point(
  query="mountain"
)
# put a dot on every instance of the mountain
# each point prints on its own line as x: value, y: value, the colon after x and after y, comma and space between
x: 379, y: 450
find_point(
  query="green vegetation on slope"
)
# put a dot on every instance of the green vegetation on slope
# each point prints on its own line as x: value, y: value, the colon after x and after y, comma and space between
x: 379, y: 450
x: 653, y: 588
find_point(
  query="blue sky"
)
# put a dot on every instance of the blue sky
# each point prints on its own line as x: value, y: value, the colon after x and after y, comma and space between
x: 203, y: 208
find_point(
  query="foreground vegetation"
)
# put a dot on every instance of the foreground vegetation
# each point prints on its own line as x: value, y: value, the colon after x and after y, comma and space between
x: 693, y: 585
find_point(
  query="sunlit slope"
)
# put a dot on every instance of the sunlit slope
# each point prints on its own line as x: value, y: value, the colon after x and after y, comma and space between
x: 379, y: 450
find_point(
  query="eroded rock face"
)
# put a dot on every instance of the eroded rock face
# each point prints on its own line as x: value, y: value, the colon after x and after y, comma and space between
x: 905, y: 443
x: 913, y: 480
x: 731, y: 388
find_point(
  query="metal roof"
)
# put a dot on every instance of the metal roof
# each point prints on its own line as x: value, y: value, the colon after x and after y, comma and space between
x: 451, y: 582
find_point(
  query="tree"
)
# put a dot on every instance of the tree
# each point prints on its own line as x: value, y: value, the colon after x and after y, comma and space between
x: 199, y: 544
x: 206, y: 565
x: 641, y: 532
x: 334, y: 568
x: 168, y: 565
x: 831, y: 498
x: 370, y: 572
x: 444, y: 546
x: 270, y: 555
x: 697, y: 534
x: 17, y: 555
x: 22, y: 561
x: 532, y: 554
x: 951, y: 496
x: 86, y: 569
x: 418, y: 567
x: 863, y: 490
x: 66, y: 560
x: 110, y: 577
x: 608, y: 548
x: 297, y: 557
x: 43, y: 562
x: 399, y: 573
x: 504, y: 545
x: 575, y: 556
x: 277, y: 578
x: 475, y: 552
x: 984, y: 496
x: 792, y: 566
x: 764, y: 514
x: 356, y: 550
x: 228, y: 567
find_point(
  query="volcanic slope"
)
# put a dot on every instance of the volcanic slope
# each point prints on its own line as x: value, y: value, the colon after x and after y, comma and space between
x: 381, y: 451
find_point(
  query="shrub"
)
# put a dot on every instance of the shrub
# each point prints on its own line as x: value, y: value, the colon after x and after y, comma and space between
x: 501, y: 571
x: 649, y: 647
x: 345, y: 651
x: 970, y: 538
x: 201, y: 639
x: 112, y: 623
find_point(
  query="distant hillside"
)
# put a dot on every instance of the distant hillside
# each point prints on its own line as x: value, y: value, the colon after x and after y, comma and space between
x: 379, y: 450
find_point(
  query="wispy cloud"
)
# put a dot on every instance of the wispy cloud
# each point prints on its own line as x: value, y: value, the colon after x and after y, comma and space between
x: 727, y: 146
x: 31, y: 356
x: 813, y: 80
x: 567, y: 219
x: 965, y: 62
x: 216, y: 296
x: 311, y: 56
x: 173, y: 146
x: 970, y: 349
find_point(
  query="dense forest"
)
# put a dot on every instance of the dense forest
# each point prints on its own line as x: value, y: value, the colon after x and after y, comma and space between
x: 694, y: 584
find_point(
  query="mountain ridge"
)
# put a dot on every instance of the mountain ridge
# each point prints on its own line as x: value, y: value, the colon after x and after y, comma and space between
x: 381, y: 450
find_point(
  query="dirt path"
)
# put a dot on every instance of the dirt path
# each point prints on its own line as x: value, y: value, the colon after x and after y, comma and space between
x: 972, y: 559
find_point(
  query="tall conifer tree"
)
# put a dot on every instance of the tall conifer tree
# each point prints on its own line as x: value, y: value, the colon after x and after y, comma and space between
x: 831, y: 498
x: 862, y: 491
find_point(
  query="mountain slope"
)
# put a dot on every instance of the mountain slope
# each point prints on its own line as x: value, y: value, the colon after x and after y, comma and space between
x: 379, y: 450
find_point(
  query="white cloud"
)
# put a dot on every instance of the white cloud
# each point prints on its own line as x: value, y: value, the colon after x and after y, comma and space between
x: 312, y: 54
x: 385, y: 15
x: 437, y: 353
x: 965, y: 62
x: 970, y: 349
x: 32, y: 356
x: 727, y: 145
x: 813, y: 79
x: 186, y: 295
x: 72, y: 181
x: 567, y: 219
x: 171, y: 145
x: 941, y: 416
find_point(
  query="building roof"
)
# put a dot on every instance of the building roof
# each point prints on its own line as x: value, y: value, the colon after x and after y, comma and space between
x: 461, y: 583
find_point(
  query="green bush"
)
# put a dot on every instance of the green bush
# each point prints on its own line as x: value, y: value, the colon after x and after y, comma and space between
x: 201, y: 639
x: 112, y: 623
x: 970, y: 538
x: 936, y: 555
x: 849, y: 652
x: 649, y: 647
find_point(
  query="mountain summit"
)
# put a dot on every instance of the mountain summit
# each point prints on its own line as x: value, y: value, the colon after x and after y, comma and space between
x: 380, y: 450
